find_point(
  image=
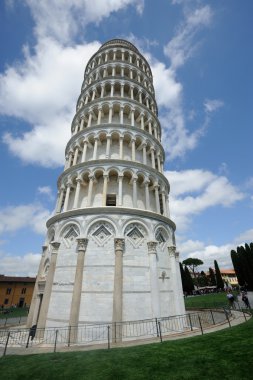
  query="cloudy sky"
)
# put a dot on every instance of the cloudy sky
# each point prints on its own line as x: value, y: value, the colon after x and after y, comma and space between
x: 201, y: 57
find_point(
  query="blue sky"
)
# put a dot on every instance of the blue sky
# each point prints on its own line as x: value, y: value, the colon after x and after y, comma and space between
x: 201, y: 57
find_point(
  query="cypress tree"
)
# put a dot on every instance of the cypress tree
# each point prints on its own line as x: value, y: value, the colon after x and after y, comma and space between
x: 219, y: 281
x: 237, y: 267
x: 189, y: 281
x: 212, y: 277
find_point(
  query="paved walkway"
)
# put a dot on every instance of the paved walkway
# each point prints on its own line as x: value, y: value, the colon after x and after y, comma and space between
x: 237, y: 318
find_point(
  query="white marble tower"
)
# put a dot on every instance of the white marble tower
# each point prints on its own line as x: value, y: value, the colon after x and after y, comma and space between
x: 110, y: 250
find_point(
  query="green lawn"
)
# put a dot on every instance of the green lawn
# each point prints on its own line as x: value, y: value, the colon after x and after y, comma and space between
x: 207, y: 300
x: 15, y: 312
x: 225, y: 354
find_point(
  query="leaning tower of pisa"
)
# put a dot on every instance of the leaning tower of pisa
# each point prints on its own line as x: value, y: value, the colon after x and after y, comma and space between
x: 110, y: 251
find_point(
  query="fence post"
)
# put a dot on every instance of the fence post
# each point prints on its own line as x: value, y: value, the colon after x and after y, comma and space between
x: 5, y: 323
x: 202, y: 332
x: 189, y: 315
x: 225, y: 311
x: 212, y: 317
x: 6, y: 344
x: 160, y: 331
x: 27, y: 343
x: 108, y: 336
x: 157, y: 328
x: 56, y: 333
x: 69, y: 336
x: 19, y: 320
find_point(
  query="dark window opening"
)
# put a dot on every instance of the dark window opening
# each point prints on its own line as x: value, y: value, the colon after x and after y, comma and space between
x: 6, y: 301
x: 161, y: 203
x: 111, y: 200
x: 23, y: 291
x: 8, y: 291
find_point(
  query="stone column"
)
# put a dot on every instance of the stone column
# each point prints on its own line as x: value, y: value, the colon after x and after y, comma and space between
x: 77, y: 290
x: 144, y: 153
x: 118, y: 290
x: 76, y: 155
x: 133, y: 149
x: 120, y: 194
x: 174, y: 280
x: 91, y: 180
x: 158, y: 162
x: 59, y: 203
x: 108, y: 145
x: 66, y: 202
x: 89, y: 120
x: 132, y: 117
x: 112, y: 90
x: 77, y: 193
x: 121, y: 147
x: 85, y: 144
x: 35, y: 303
x: 121, y: 114
x: 122, y: 90
x: 110, y: 114
x: 134, y: 192
x: 147, y: 201
x: 164, y: 203
x: 154, y: 286
x: 105, y: 189
x: 152, y: 157
x: 150, y: 127
x: 99, y: 115
x: 95, y: 149
x: 102, y: 91
x: 48, y: 288
x: 82, y: 123
x: 157, y: 203
x: 142, y: 121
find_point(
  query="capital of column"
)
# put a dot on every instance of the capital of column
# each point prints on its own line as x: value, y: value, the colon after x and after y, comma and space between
x: 81, y: 244
x: 152, y: 247
x: 172, y: 251
x: 55, y: 246
x: 119, y: 244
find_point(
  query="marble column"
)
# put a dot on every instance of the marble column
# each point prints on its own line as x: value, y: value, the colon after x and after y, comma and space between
x: 77, y: 193
x: 174, y: 285
x: 36, y: 299
x: 48, y: 287
x: 77, y: 290
x: 90, y: 188
x: 105, y: 189
x: 118, y: 290
x: 154, y: 286
x: 66, y: 201
x: 120, y: 193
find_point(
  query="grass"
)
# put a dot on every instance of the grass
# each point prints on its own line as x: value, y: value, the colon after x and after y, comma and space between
x: 207, y: 300
x: 15, y: 312
x: 225, y: 354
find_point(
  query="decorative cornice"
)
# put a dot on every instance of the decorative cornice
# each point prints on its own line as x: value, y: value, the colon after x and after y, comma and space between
x: 110, y: 210
x: 106, y: 162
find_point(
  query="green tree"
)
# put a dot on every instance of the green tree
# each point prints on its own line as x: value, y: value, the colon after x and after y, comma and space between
x: 219, y: 281
x: 193, y: 263
x: 189, y: 281
x: 202, y: 279
x: 242, y: 260
x: 212, y: 278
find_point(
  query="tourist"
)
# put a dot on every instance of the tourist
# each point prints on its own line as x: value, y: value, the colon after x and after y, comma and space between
x: 245, y: 300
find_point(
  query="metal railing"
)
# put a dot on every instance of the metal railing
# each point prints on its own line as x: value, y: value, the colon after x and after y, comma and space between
x: 108, y: 334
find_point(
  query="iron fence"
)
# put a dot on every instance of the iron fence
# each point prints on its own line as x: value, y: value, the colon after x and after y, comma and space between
x: 108, y: 334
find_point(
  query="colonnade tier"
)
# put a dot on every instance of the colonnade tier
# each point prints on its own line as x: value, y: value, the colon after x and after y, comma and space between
x: 112, y: 52
x: 117, y: 111
x: 96, y: 185
x: 117, y: 87
x: 111, y: 143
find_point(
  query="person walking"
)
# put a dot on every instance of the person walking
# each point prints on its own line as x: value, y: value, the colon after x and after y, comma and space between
x: 245, y: 300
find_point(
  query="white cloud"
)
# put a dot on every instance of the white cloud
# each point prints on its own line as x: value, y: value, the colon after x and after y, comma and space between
x: 14, y: 218
x: 182, y: 46
x: 65, y: 19
x: 194, y: 191
x: 212, y: 105
x: 46, y: 190
x: 207, y: 253
x: 43, y: 90
x: 245, y: 237
x: 26, y: 265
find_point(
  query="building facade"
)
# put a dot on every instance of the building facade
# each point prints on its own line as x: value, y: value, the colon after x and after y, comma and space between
x: 16, y: 291
x: 110, y: 251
